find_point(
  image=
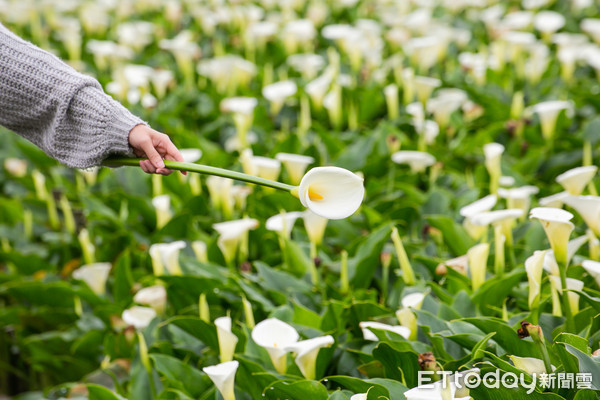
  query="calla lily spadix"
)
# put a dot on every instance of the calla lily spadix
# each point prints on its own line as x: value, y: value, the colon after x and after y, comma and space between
x: 331, y: 192
x: 307, y: 352
x: 223, y: 376
x: 276, y: 337
x: 95, y: 275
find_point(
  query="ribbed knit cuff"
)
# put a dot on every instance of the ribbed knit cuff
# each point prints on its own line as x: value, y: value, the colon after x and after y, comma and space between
x: 118, y: 128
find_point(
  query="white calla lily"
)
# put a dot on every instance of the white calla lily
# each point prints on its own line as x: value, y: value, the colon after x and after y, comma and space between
x: 153, y: 296
x: 477, y: 261
x: 588, y: 207
x: 593, y: 269
x: 417, y: 160
x: 519, y: 197
x: 413, y: 300
x: 15, y: 166
x: 534, y: 266
x: 554, y: 201
x: 295, y: 164
x: 223, y: 376
x: 573, y: 246
x: 365, y: 326
x: 231, y: 234
x: 227, y: 340
x: 572, y: 284
x: 558, y: 227
x: 548, y: 113
x: 575, y: 180
x: 444, y: 389
x: 548, y: 22
x: 267, y: 168
x: 424, y: 86
x: 275, y: 336
x: 331, y: 192
x: 94, y: 275
x: 283, y: 223
x: 359, y: 396
x: 166, y: 256
x: 493, y: 160
x: 138, y: 317
x: 315, y: 226
x: 278, y: 92
x: 531, y: 365
x: 479, y: 206
x: 162, y: 205
x: 307, y: 352
x: 497, y: 216
x: 190, y: 155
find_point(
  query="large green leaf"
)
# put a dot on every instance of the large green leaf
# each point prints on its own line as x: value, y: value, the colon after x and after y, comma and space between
x: 97, y: 392
x: 180, y: 375
x: 587, y: 365
x: 299, y: 390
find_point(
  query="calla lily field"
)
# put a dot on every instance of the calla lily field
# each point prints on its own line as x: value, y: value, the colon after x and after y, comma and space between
x: 384, y: 199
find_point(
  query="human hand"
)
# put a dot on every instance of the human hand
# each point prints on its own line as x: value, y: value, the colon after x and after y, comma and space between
x: 156, y: 146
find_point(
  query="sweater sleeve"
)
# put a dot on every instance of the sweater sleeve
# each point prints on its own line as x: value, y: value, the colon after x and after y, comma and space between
x: 65, y: 113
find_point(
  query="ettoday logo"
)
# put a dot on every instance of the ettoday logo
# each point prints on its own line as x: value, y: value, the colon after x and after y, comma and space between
x: 494, y: 380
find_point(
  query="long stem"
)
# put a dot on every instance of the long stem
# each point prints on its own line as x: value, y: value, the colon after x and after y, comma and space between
x: 203, y: 169
x: 564, y: 296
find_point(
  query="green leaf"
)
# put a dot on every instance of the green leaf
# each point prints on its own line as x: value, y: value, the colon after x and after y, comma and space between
x: 587, y: 365
x: 360, y: 267
x: 97, y: 392
x: 180, y: 375
x: 505, y: 336
x: 493, y: 292
x: 400, y: 361
x: 569, y: 361
x: 199, y: 329
x: 299, y: 390
x: 455, y: 236
x: 359, y: 386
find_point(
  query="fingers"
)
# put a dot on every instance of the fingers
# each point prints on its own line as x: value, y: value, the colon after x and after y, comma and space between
x: 152, y: 154
x: 171, y: 151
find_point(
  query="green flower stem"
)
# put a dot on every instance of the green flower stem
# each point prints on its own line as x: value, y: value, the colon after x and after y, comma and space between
x: 203, y: 169
x: 564, y: 297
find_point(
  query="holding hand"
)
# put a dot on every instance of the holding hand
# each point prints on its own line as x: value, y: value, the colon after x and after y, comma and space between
x: 156, y: 146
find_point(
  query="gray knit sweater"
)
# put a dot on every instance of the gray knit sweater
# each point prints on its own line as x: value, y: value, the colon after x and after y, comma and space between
x: 65, y: 113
